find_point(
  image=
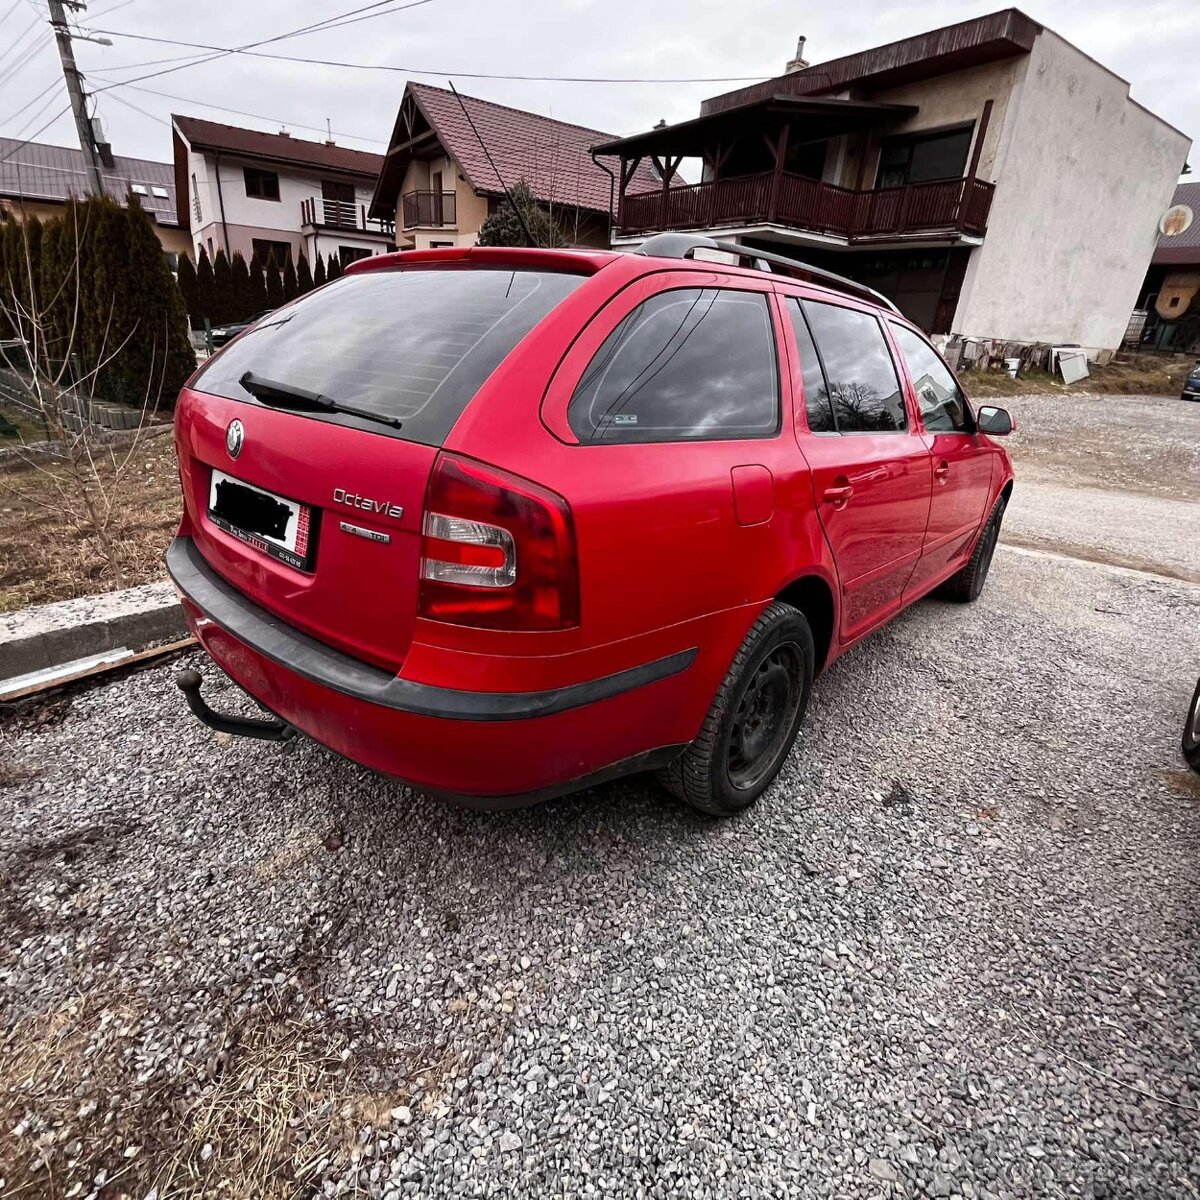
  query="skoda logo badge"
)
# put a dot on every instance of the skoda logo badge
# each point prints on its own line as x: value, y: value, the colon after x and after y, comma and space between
x: 235, y: 437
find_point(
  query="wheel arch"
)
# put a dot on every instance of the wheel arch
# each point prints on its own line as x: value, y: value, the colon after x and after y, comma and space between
x: 814, y: 597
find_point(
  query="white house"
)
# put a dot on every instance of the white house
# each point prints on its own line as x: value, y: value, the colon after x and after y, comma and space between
x: 242, y: 190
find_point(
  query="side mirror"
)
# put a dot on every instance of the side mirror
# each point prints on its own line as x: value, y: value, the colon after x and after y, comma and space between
x: 993, y: 420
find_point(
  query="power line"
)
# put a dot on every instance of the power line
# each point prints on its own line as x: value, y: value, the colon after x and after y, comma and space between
x: 29, y: 104
x: 241, y: 112
x: 222, y: 51
x: 16, y: 43
x: 11, y: 72
x: 441, y: 72
x: 40, y: 130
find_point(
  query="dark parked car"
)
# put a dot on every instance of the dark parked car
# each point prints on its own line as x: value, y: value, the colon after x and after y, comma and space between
x: 507, y: 522
x: 227, y: 332
x: 1191, y: 385
x: 1191, y: 732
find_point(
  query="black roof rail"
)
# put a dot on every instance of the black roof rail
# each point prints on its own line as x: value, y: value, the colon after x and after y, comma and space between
x: 684, y: 245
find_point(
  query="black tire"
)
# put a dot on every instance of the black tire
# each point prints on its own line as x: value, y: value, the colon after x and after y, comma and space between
x: 965, y: 585
x: 1191, y: 732
x: 754, y: 717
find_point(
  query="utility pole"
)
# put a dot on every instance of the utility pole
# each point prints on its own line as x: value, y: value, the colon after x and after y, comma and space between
x: 83, y: 123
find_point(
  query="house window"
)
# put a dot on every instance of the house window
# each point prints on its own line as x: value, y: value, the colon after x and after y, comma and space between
x: 138, y: 189
x: 349, y: 254
x: 172, y: 258
x: 262, y: 185
x: 160, y: 192
x: 195, y: 200
x: 263, y: 248
x: 925, y: 157
x: 440, y: 245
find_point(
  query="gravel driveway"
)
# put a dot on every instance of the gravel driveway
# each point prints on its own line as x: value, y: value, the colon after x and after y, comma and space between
x: 954, y: 951
x: 1110, y: 478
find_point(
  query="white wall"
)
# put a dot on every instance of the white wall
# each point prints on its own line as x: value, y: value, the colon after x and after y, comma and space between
x: 1082, y: 176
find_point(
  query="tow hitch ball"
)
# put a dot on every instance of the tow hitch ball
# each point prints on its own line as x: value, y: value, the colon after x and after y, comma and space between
x: 268, y: 729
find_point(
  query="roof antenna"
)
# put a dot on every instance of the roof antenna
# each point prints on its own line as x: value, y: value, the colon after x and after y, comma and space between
x: 508, y: 195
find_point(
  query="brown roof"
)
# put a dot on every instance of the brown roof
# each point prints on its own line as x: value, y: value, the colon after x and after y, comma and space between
x: 551, y: 156
x: 36, y: 171
x: 967, y: 44
x: 1184, y: 248
x: 277, y: 147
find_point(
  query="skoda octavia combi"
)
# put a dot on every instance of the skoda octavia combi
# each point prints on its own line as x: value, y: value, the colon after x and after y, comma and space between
x: 503, y: 523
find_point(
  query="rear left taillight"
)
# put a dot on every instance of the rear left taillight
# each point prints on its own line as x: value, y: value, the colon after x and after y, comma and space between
x: 498, y: 551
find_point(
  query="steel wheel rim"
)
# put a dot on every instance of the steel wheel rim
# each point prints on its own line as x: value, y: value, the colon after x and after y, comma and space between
x: 1194, y: 723
x: 764, y: 716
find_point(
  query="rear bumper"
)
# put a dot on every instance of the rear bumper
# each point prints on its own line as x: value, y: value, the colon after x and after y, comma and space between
x: 510, y: 747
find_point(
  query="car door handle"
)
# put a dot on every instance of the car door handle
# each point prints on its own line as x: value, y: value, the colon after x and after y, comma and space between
x: 839, y: 496
x: 942, y: 472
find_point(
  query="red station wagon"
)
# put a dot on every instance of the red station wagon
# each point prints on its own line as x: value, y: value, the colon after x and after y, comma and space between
x: 504, y: 523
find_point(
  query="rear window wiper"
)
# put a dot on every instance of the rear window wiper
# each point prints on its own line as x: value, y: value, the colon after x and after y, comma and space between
x: 285, y: 395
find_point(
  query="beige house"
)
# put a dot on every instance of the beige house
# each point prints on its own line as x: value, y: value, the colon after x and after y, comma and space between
x: 37, y: 180
x: 439, y: 179
x: 990, y: 177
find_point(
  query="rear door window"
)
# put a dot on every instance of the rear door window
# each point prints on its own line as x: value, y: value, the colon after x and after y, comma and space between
x: 943, y: 406
x: 687, y: 365
x: 863, y: 385
x: 816, y: 394
x: 412, y: 344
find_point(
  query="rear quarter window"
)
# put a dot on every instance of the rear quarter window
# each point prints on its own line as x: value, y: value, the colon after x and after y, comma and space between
x: 413, y: 344
x: 689, y: 364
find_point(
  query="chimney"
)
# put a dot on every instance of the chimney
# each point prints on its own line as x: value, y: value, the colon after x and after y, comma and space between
x: 329, y: 134
x: 799, y: 63
x: 284, y: 133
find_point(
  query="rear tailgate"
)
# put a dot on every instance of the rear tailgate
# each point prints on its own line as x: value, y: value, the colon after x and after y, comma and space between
x: 357, y: 589
x: 409, y: 346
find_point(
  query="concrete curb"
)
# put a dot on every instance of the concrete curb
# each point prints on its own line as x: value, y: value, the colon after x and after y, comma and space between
x: 48, y: 635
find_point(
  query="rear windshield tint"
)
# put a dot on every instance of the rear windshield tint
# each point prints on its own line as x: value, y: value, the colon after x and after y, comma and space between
x: 414, y: 344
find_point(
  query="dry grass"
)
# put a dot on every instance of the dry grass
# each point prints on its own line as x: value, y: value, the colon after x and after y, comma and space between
x: 1137, y: 375
x: 263, y: 1115
x: 45, y: 555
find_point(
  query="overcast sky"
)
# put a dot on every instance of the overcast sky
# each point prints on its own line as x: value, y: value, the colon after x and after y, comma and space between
x: 1154, y: 44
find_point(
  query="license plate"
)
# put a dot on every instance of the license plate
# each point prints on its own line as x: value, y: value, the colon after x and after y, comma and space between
x: 272, y: 524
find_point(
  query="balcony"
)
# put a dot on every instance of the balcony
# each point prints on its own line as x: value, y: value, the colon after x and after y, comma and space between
x: 427, y: 210
x: 938, y: 209
x: 317, y: 213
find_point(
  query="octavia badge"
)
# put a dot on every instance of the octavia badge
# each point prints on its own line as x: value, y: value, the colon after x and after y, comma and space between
x: 235, y: 437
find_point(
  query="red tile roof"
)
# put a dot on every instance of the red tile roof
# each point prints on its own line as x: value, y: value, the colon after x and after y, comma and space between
x: 1184, y: 248
x: 277, y: 147
x: 551, y: 156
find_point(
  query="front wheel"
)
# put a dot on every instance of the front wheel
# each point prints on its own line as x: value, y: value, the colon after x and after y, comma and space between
x: 753, y: 719
x: 965, y: 585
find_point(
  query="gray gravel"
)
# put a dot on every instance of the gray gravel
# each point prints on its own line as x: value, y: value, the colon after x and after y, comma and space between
x: 1110, y: 478
x: 953, y: 952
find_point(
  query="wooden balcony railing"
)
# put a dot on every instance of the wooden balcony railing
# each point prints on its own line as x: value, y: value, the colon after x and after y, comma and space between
x: 943, y: 206
x: 341, y: 214
x: 428, y: 208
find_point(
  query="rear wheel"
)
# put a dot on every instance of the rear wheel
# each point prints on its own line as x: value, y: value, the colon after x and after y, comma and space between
x: 753, y: 719
x: 966, y: 585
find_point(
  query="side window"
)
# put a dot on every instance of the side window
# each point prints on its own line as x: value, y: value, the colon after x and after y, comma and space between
x: 816, y: 394
x: 862, y: 378
x: 262, y: 185
x: 689, y: 364
x: 943, y: 406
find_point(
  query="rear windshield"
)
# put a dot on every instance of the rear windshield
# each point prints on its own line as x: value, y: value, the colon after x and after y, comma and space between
x: 410, y: 344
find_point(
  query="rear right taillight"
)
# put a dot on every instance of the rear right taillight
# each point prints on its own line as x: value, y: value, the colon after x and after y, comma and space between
x: 498, y: 551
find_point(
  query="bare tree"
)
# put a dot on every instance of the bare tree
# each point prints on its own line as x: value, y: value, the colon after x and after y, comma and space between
x: 50, y: 373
